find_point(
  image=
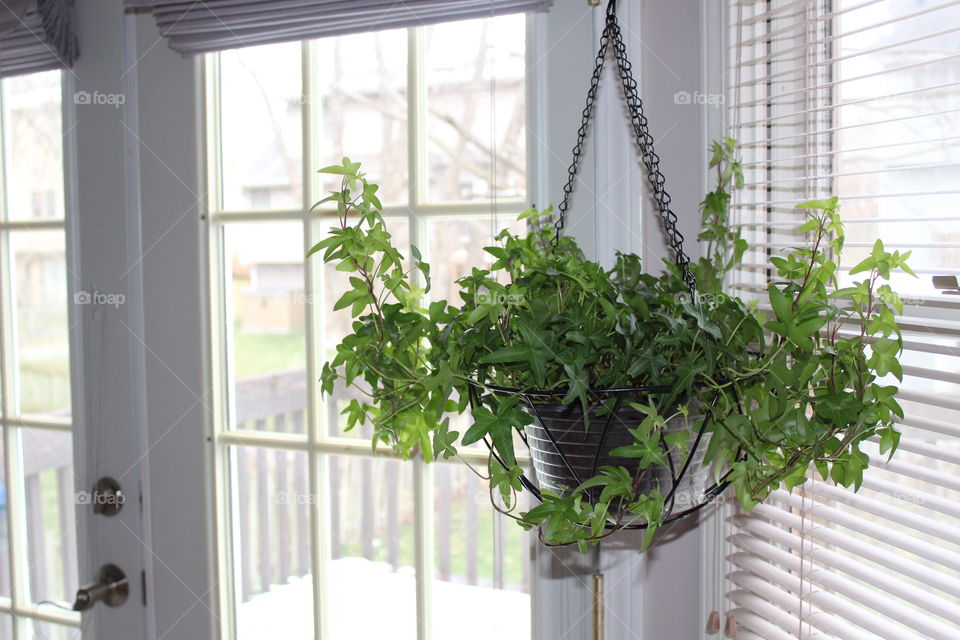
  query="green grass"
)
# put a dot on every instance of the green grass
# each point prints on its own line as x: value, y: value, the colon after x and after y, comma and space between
x: 256, y: 353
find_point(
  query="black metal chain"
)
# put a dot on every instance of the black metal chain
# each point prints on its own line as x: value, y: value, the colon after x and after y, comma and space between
x: 651, y: 161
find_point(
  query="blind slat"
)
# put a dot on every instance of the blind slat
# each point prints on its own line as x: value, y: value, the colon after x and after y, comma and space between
x: 824, y: 599
x: 860, y: 571
x: 760, y: 625
x: 895, y: 514
x: 770, y: 595
x: 863, y: 525
x: 926, y: 36
x: 822, y: 41
x: 866, y: 598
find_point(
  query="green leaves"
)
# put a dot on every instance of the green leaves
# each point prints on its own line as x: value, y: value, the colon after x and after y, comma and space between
x: 811, y: 373
x: 499, y: 425
x: 506, y: 481
x: 723, y: 246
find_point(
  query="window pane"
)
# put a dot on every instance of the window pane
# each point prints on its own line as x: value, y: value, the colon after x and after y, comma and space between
x: 50, y: 501
x: 261, y: 127
x: 908, y: 98
x: 272, y: 530
x: 372, y: 538
x: 361, y: 85
x: 33, y: 146
x: 42, y: 343
x: 457, y: 246
x: 264, y: 272
x: 470, y: 575
x: 476, y: 113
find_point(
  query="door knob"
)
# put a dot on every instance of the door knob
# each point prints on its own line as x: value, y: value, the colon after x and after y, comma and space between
x: 111, y: 588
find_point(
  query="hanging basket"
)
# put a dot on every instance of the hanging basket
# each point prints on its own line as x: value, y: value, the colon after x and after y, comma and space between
x: 569, y: 445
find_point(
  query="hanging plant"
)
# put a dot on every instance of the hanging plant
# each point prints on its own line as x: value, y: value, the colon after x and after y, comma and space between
x: 640, y: 397
x: 544, y: 330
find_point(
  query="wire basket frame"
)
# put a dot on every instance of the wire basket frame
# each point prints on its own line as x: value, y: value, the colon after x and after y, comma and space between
x: 609, y: 402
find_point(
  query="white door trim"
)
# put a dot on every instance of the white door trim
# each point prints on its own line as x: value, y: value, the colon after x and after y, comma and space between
x: 133, y: 227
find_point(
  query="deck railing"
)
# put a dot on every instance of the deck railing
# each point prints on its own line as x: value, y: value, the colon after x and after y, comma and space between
x: 369, y: 503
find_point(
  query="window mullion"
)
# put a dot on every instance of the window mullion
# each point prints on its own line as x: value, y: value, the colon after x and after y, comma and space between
x: 314, y: 286
x: 16, y: 520
x: 423, y: 510
x: 423, y: 474
x: 416, y: 108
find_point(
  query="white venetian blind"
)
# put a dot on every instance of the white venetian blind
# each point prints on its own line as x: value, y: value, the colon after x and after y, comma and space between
x: 214, y: 25
x: 858, y: 98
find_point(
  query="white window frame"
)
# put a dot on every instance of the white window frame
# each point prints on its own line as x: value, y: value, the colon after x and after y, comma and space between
x: 314, y: 443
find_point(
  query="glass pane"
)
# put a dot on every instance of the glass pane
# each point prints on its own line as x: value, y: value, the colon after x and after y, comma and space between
x: 476, y: 113
x: 336, y: 324
x: 261, y: 127
x: 908, y: 180
x: 6, y: 627
x: 50, y: 500
x: 362, y: 108
x: 372, y: 538
x: 272, y: 534
x: 456, y: 247
x: 470, y: 575
x: 42, y: 341
x: 264, y: 272
x: 33, y: 146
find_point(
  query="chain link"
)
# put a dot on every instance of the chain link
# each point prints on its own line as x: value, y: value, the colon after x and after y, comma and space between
x: 644, y: 140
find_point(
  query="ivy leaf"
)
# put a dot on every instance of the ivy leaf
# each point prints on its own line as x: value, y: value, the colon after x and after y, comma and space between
x: 889, y: 440
x: 443, y: 440
x: 780, y: 304
x: 499, y: 426
x: 507, y: 481
x: 513, y: 353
